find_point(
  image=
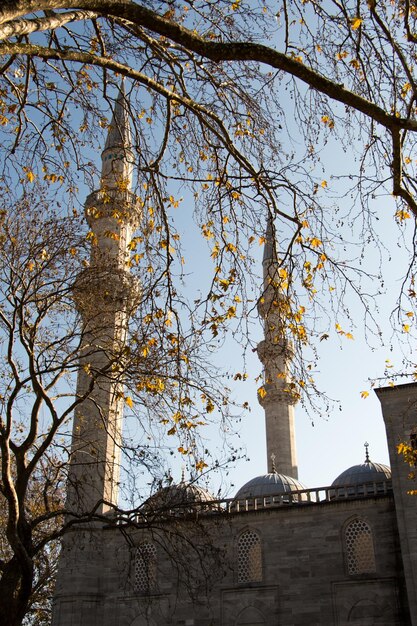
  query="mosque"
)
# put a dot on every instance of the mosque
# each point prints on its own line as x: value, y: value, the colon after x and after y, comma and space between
x: 277, y: 553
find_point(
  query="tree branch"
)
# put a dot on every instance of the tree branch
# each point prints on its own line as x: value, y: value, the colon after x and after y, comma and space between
x: 213, y: 50
x: 20, y: 27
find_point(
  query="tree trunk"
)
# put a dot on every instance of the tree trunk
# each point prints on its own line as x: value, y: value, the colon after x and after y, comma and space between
x: 15, y: 592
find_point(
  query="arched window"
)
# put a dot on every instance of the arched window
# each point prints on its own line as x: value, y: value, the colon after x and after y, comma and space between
x: 359, y: 545
x: 249, y: 557
x: 145, y: 567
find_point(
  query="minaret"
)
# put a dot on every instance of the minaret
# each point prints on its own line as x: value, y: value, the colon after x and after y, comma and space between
x: 105, y: 294
x: 275, y: 353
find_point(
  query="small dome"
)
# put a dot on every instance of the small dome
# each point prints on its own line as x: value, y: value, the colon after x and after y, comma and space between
x: 367, y: 472
x: 182, y: 496
x: 272, y: 484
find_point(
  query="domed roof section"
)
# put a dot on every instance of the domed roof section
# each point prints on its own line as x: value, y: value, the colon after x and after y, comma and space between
x: 183, y: 496
x: 368, y: 472
x: 272, y: 484
x: 365, y: 479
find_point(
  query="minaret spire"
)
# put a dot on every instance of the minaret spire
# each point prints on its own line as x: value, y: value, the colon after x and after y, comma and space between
x: 105, y: 294
x: 275, y: 353
x: 117, y: 156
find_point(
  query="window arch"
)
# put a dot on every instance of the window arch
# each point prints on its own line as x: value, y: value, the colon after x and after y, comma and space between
x: 359, y: 546
x: 145, y: 567
x: 250, y: 617
x: 249, y: 557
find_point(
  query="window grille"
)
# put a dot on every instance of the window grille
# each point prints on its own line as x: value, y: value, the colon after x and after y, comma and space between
x: 145, y: 568
x: 359, y: 548
x: 249, y: 557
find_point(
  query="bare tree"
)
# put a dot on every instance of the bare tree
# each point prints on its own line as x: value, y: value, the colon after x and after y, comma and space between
x: 158, y: 371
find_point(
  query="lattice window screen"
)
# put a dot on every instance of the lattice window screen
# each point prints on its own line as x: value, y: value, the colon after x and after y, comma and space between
x: 145, y: 567
x: 249, y: 557
x: 359, y: 548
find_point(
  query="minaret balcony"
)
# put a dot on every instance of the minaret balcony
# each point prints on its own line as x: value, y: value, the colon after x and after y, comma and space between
x: 270, y: 353
x: 280, y: 394
x: 119, y: 204
x: 109, y: 289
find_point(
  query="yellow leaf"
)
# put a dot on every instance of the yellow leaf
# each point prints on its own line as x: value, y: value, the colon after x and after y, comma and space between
x: 315, y: 242
x: 29, y: 174
x: 341, y: 55
x: 327, y: 121
x: 402, y: 214
x: 129, y: 401
x: 410, y: 314
x: 406, y: 328
x: 200, y: 465
x: 364, y: 394
x: 356, y: 22
x: 324, y: 183
x: 262, y: 392
x: 231, y: 312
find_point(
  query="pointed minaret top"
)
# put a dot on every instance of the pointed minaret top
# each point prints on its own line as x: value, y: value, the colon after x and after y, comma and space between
x: 117, y: 156
x: 270, y: 249
x: 119, y: 135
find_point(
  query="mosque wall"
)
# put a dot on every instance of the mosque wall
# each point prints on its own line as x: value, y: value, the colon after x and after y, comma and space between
x: 328, y: 564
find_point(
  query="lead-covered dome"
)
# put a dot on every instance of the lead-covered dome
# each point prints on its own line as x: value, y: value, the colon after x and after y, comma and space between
x: 183, y: 496
x: 272, y: 484
x: 368, y: 472
x: 365, y: 479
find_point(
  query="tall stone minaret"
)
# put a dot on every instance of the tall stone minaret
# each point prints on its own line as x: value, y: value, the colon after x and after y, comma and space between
x: 104, y: 294
x: 275, y: 353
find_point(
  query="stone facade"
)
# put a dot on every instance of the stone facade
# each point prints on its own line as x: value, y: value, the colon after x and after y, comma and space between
x: 305, y: 551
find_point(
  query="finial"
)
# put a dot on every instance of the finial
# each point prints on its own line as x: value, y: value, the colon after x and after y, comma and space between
x: 366, y: 444
x: 274, y: 469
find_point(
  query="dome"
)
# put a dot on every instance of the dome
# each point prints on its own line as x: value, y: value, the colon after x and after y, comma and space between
x: 182, y: 496
x: 367, y: 472
x: 367, y: 478
x: 272, y: 484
